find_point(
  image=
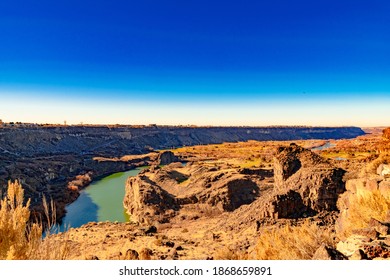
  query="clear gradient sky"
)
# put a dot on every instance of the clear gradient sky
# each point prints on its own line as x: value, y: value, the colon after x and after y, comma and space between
x: 301, y: 62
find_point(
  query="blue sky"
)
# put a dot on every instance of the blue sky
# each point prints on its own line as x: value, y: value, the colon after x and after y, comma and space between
x: 196, y: 62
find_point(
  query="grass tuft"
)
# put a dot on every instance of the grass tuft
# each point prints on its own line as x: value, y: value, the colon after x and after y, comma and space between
x: 19, y: 238
x: 363, y: 207
x: 292, y: 242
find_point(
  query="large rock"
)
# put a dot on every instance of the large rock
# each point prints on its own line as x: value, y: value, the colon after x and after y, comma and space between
x: 144, y: 200
x: 286, y: 205
x: 384, y: 170
x: 227, y: 193
x: 327, y: 253
x: 166, y: 157
x: 361, y: 247
x: 158, y: 193
x: 317, y: 182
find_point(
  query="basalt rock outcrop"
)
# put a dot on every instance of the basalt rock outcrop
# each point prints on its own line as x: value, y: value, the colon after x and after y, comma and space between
x: 166, y: 157
x: 305, y: 184
x: 158, y: 193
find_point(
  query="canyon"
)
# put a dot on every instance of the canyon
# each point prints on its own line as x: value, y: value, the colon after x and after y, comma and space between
x: 227, y: 197
x: 221, y: 200
x: 55, y: 161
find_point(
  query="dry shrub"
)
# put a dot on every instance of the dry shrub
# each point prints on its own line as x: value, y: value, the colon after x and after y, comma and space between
x: 19, y: 238
x: 292, y: 242
x: 363, y: 207
x: 229, y: 254
x: 373, y: 165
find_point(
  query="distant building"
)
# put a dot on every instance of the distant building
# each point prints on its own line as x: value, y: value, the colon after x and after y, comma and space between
x: 1, y: 123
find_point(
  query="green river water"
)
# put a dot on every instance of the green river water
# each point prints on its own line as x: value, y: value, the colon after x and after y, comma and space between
x: 102, y: 200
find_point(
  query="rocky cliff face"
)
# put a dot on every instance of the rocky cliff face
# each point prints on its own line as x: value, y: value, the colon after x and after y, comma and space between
x: 305, y: 183
x: 114, y: 141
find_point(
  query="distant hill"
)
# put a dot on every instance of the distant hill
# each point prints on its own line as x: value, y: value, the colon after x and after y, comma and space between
x: 114, y: 141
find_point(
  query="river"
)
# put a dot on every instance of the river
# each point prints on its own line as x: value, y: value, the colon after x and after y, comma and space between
x: 101, y: 201
x: 327, y: 145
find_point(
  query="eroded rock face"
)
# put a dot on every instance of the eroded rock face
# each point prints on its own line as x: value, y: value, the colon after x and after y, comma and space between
x: 159, y: 192
x: 166, y: 157
x: 144, y: 200
x: 286, y: 205
x: 304, y: 182
x: 289, y: 160
x: 228, y: 193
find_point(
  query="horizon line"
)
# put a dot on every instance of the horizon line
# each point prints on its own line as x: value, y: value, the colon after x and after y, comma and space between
x: 33, y: 124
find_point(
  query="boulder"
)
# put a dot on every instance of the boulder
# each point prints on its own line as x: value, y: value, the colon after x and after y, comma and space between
x: 327, y: 253
x: 358, y: 255
x: 287, y: 205
x: 381, y: 228
x: 166, y: 157
x: 144, y: 200
x: 131, y: 255
x: 229, y: 192
x: 352, y: 244
x: 361, y: 247
x: 384, y: 170
x: 317, y: 181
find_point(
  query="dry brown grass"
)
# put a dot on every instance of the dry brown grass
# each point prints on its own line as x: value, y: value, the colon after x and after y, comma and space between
x: 374, y: 164
x: 229, y: 254
x: 19, y: 238
x: 292, y: 242
x: 363, y: 207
